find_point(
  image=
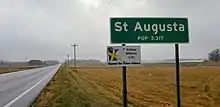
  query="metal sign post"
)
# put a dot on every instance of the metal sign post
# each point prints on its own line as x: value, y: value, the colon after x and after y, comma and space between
x: 124, y: 84
x: 177, y: 74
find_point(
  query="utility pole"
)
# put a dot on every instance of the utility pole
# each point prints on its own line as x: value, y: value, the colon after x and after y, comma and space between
x: 68, y: 60
x: 74, y: 53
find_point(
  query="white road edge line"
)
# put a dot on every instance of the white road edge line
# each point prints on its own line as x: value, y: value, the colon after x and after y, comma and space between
x: 21, y: 95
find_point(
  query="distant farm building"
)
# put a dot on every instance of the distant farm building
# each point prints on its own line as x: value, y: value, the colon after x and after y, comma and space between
x: 35, y: 62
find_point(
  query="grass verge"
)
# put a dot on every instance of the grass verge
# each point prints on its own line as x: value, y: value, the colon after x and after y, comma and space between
x: 67, y: 89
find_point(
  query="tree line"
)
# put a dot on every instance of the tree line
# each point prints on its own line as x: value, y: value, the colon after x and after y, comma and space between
x: 214, y: 56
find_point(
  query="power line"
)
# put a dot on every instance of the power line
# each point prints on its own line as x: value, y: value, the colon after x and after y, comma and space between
x: 108, y: 4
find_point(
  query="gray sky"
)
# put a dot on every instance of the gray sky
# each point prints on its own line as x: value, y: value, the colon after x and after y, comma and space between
x: 44, y: 29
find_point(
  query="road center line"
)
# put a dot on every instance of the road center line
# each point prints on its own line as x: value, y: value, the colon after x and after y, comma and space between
x: 24, y: 93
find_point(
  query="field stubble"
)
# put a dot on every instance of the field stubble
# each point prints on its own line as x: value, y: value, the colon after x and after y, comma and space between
x: 147, y: 87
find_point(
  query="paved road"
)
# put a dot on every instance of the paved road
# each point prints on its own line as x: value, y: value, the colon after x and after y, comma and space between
x: 20, y: 89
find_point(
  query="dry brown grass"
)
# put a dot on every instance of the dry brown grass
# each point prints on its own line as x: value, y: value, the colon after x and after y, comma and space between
x: 13, y: 69
x: 149, y: 86
x: 156, y: 86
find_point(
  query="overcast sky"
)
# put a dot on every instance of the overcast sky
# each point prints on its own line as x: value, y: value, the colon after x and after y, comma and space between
x: 44, y: 29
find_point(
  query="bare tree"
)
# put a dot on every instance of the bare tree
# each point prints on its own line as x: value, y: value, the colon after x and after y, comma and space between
x: 1, y: 62
x: 215, y: 55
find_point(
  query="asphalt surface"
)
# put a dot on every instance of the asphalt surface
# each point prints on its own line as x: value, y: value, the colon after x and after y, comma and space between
x: 20, y: 89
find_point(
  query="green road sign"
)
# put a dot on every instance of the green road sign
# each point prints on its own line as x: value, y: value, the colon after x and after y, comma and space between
x: 149, y: 30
